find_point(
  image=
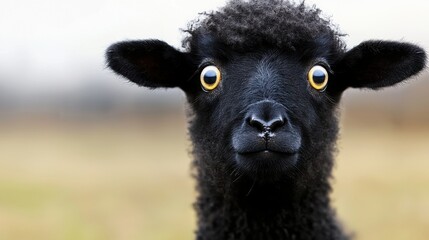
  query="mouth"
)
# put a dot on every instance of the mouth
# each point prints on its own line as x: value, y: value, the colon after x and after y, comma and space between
x: 266, y: 157
x: 266, y: 153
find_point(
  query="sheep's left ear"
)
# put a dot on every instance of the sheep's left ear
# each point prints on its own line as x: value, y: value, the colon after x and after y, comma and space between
x: 150, y: 63
x: 377, y: 64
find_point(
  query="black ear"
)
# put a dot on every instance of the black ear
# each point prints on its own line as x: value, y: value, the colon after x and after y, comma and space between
x: 150, y: 63
x: 377, y: 64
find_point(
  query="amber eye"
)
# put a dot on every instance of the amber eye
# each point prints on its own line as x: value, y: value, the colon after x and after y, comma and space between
x: 318, y: 77
x: 210, y: 78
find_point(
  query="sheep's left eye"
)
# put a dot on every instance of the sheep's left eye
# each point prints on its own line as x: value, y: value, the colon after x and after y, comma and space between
x: 318, y: 77
x: 210, y: 78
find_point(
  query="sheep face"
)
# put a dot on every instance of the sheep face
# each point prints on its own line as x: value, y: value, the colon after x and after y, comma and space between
x: 265, y: 113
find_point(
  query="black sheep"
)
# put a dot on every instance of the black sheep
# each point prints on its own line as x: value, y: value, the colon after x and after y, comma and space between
x: 263, y: 80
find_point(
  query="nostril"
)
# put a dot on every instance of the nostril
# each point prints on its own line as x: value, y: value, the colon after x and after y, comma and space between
x: 276, y: 123
x: 256, y: 123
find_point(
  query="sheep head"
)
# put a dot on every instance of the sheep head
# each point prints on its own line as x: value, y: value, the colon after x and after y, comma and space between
x: 264, y: 98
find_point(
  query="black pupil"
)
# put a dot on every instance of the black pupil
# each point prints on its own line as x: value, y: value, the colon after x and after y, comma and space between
x: 319, y: 76
x: 210, y: 77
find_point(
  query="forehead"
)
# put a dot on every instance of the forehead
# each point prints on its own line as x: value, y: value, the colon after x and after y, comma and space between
x: 208, y: 46
x: 264, y: 63
x: 263, y: 69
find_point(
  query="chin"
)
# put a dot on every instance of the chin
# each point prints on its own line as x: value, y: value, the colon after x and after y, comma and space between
x: 267, y: 166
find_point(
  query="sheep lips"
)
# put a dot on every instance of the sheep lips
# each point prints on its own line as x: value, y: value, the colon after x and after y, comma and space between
x: 266, y: 154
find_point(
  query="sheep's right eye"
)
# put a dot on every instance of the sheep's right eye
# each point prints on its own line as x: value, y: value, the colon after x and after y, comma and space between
x: 210, y: 78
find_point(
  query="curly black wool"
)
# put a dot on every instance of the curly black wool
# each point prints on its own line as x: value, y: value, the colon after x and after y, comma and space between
x: 243, y: 25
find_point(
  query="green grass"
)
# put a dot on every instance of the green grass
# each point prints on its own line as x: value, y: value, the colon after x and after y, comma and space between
x: 130, y: 179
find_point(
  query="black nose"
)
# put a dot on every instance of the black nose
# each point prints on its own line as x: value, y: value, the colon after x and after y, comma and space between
x: 266, y: 116
x: 266, y: 125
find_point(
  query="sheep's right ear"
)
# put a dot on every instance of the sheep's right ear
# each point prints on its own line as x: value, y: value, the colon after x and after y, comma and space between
x: 150, y: 63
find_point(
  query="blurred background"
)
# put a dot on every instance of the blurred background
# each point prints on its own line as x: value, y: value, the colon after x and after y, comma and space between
x: 86, y: 155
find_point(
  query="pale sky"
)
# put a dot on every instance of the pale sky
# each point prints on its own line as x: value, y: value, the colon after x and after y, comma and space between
x: 51, y: 45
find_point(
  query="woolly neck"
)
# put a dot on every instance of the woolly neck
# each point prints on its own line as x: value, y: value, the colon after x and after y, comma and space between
x: 250, y: 210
